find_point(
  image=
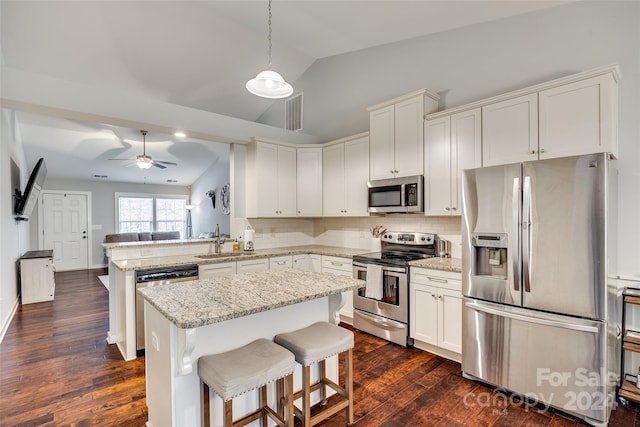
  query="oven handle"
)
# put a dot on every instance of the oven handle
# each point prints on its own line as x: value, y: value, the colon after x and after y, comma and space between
x: 384, y: 268
x: 382, y: 321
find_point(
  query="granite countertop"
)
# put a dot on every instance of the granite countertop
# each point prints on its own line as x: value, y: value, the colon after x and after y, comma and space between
x: 214, y: 300
x: 164, y: 261
x: 156, y: 243
x: 443, y: 264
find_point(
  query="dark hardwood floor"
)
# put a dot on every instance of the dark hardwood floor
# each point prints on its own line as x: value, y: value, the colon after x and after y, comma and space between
x: 57, y: 370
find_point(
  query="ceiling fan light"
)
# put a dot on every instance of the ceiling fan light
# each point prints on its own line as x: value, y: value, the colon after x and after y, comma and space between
x: 269, y: 84
x: 144, y: 162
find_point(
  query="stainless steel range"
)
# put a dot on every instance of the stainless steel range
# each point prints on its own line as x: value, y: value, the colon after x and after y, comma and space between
x: 382, y: 307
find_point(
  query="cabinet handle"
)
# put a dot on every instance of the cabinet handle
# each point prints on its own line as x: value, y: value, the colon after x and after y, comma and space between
x: 440, y: 297
x: 395, y: 171
x: 435, y: 279
x: 298, y: 211
x: 339, y: 264
x: 454, y: 209
x: 391, y: 171
x: 434, y: 296
x: 542, y: 150
x: 447, y: 208
x: 533, y: 151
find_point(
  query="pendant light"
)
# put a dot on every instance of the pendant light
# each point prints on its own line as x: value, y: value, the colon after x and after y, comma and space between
x: 268, y: 83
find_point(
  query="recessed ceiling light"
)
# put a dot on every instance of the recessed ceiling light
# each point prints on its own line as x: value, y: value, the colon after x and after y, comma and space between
x: 180, y: 134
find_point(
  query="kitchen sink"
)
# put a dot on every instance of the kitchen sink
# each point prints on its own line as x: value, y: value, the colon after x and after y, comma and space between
x: 222, y: 255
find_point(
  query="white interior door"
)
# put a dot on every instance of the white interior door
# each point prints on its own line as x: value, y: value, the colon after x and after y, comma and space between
x: 65, y: 229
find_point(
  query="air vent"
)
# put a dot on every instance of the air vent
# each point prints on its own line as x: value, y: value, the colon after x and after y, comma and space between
x: 172, y: 180
x: 101, y: 176
x: 293, y: 113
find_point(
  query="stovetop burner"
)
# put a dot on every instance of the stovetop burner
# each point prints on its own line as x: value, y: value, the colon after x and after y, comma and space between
x: 398, y: 248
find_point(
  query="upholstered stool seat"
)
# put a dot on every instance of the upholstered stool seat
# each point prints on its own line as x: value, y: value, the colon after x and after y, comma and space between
x: 313, y: 344
x: 246, y: 368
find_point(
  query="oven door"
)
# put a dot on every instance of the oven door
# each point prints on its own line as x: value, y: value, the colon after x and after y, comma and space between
x: 395, y: 298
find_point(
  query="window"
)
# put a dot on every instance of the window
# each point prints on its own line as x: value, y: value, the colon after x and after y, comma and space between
x: 136, y: 213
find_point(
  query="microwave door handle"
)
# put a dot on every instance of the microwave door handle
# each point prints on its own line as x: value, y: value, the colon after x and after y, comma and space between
x: 403, y: 196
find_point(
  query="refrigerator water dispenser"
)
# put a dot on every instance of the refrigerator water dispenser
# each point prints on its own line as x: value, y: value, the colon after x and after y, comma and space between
x: 490, y: 254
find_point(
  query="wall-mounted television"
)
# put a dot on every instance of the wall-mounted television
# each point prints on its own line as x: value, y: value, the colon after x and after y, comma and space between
x: 26, y: 201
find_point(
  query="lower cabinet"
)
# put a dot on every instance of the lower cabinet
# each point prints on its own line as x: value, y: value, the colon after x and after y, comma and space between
x: 435, y: 310
x: 307, y: 262
x: 280, y: 262
x: 341, y: 267
x: 246, y: 266
x: 206, y: 271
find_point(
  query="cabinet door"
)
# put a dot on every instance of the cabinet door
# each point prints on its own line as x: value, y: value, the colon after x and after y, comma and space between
x: 267, y: 180
x: 356, y: 173
x: 466, y: 151
x: 309, y: 181
x: 579, y: 118
x: 510, y: 131
x: 450, y: 320
x: 302, y: 262
x: 286, y: 169
x: 423, y: 314
x: 333, y: 180
x: 206, y: 271
x: 437, y: 192
x: 409, y: 137
x: 346, y: 312
x: 280, y: 262
x: 316, y: 263
x: 253, y: 265
x: 381, y: 134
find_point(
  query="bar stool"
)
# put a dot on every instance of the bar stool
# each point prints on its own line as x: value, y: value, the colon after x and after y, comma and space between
x: 246, y: 368
x: 313, y: 344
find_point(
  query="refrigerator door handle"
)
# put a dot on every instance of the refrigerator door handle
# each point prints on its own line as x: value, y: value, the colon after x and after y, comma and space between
x: 526, y: 232
x: 516, y: 233
x: 544, y: 322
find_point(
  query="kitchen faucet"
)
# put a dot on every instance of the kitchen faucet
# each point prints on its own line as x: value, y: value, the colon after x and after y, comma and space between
x: 218, y: 242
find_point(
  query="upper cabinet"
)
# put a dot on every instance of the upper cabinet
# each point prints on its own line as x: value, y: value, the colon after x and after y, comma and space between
x: 579, y: 118
x: 510, y: 131
x: 571, y: 116
x: 309, y: 182
x: 345, y: 172
x: 396, y: 138
x: 271, y: 180
x: 452, y: 143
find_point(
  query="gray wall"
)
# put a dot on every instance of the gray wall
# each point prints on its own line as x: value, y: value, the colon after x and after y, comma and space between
x: 488, y: 59
x: 204, y: 217
x: 103, y: 214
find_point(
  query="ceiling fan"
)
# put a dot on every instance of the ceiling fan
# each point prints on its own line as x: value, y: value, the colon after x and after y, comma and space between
x: 145, y: 162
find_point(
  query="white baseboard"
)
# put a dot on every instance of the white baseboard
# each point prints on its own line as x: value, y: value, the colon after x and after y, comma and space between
x: 443, y: 352
x: 5, y: 327
x: 98, y: 266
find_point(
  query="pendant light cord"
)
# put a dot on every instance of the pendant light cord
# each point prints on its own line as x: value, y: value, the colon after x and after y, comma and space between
x: 269, y: 34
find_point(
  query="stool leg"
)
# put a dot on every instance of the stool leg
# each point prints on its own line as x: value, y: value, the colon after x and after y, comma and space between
x: 280, y: 399
x: 263, y: 402
x: 206, y: 409
x: 306, y: 396
x: 348, y: 382
x: 228, y: 413
x: 323, y: 388
x: 289, y: 417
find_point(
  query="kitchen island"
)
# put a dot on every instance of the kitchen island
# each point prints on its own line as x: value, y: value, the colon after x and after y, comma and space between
x: 186, y: 321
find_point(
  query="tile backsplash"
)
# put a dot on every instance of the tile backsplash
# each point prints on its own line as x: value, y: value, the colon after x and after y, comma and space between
x: 352, y: 232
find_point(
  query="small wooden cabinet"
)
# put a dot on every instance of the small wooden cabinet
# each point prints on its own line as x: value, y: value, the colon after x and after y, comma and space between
x: 271, y: 180
x: 435, y: 311
x: 37, y: 281
x: 452, y: 143
x: 396, y: 135
x: 341, y: 267
x: 628, y: 390
x: 309, y: 182
x: 345, y: 173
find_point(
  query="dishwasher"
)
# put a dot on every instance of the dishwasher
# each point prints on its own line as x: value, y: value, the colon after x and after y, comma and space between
x: 155, y: 277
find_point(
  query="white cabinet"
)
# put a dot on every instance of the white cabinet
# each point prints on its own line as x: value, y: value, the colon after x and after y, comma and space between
x: 309, y: 182
x: 246, y: 266
x: 345, y: 173
x: 579, y: 118
x: 271, y: 180
x: 436, y: 309
x: 396, y: 135
x: 206, y: 271
x: 510, y: 131
x: 37, y: 281
x: 280, y: 262
x: 452, y: 143
x: 307, y: 262
x: 341, y: 267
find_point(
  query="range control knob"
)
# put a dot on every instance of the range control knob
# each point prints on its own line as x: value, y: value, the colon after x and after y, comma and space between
x: 423, y: 238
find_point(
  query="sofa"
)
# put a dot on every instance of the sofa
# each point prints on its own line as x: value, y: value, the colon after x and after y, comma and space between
x: 141, y: 237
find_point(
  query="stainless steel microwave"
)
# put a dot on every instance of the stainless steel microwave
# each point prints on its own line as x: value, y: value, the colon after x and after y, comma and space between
x: 396, y: 195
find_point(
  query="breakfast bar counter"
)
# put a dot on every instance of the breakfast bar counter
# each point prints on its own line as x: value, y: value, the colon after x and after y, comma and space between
x: 184, y: 321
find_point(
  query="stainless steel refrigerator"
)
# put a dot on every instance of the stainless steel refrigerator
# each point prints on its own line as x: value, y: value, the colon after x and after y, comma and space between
x: 540, y: 311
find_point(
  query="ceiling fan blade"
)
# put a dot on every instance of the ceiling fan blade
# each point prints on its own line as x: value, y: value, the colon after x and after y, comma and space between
x: 120, y: 159
x: 166, y: 163
x: 158, y: 165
